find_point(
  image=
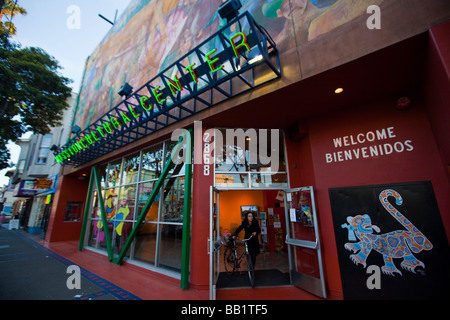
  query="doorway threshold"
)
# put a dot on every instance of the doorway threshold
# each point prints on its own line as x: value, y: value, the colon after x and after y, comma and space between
x: 288, y: 292
x: 263, y: 278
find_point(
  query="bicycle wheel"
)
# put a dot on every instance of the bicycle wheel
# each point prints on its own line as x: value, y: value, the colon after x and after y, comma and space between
x: 229, y: 260
x: 250, y: 270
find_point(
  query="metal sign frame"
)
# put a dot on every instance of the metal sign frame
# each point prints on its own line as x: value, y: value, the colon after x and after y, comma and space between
x: 240, y: 75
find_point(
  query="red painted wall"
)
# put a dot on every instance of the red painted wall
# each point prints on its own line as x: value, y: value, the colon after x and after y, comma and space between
x: 68, y: 189
x: 437, y: 88
x: 199, y: 276
x: 421, y: 163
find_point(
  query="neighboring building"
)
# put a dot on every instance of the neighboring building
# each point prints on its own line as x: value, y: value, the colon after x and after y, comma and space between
x: 37, y: 173
x: 349, y: 98
x: 6, y: 196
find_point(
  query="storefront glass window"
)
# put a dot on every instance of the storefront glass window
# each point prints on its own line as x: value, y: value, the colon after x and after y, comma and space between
x: 172, y: 210
x: 152, y: 163
x: 130, y: 172
x: 251, y: 159
x: 113, y: 173
x: 178, y: 160
x: 261, y: 180
x: 110, y: 200
x: 127, y: 184
x: 170, y: 246
x: 102, y: 173
x: 145, y: 247
x: 93, y: 230
x: 231, y: 180
x: 145, y: 189
x: 126, y: 204
x: 73, y: 211
x: 93, y: 234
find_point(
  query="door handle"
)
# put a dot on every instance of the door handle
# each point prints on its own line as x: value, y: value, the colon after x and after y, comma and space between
x: 302, y: 243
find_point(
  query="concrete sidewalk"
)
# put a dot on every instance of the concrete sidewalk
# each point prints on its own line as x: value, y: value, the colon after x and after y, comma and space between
x: 30, y: 271
x: 33, y: 269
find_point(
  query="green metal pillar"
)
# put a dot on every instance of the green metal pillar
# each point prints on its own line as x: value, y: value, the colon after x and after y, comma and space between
x: 103, y: 215
x: 86, y: 211
x: 159, y: 184
x: 185, y: 247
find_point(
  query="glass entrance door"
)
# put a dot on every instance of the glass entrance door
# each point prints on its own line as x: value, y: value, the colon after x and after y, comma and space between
x: 302, y: 238
x: 214, y: 243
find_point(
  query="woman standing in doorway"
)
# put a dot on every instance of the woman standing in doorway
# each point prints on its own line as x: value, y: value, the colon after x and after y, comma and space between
x: 251, y: 228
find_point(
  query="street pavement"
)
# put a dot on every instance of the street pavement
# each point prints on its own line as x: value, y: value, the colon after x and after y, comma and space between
x: 30, y: 271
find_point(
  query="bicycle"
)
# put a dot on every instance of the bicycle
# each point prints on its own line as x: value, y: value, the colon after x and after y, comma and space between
x: 232, y: 260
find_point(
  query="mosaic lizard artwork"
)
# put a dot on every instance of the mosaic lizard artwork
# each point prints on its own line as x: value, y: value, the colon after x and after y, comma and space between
x: 392, y: 245
x: 397, y: 230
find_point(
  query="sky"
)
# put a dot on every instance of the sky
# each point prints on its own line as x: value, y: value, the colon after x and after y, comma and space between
x: 68, y: 30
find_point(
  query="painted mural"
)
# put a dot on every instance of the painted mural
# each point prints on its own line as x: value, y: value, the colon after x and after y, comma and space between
x: 152, y: 34
x: 392, y: 245
x: 397, y: 230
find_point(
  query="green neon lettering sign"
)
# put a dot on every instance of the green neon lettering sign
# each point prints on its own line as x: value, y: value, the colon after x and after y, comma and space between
x: 157, y: 95
x: 174, y: 84
x: 242, y: 44
x: 211, y: 62
x: 239, y: 42
x: 143, y: 105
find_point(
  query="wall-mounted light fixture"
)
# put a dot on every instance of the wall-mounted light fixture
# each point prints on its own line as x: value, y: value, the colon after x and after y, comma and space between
x: 76, y: 130
x: 230, y: 9
x: 403, y: 103
x: 255, y: 59
x: 126, y: 90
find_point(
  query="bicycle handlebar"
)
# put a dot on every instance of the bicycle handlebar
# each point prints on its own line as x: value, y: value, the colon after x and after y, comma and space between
x: 244, y: 239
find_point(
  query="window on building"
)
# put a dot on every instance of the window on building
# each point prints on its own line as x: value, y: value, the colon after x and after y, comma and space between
x: 126, y: 185
x: 44, y: 149
x: 73, y: 211
x: 250, y: 159
x: 21, y: 165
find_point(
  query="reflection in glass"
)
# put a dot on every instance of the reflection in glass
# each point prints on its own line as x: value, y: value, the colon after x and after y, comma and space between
x: 172, y: 210
x: 152, y: 163
x: 260, y: 180
x: 100, y: 232
x: 92, y: 240
x: 145, y: 190
x: 250, y: 150
x: 130, y: 169
x: 125, y: 193
x: 122, y: 230
x: 144, y: 249
x: 236, y: 180
x: 178, y: 160
x: 233, y: 159
x: 102, y: 173
x: 126, y: 204
x: 253, y: 158
x: 170, y: 246
x: 95, y: 205
x: 112, y: 173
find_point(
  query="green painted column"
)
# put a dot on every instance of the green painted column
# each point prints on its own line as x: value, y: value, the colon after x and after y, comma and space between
x: 103, y: 215
x: 86, y: 211
x: 186, y: 240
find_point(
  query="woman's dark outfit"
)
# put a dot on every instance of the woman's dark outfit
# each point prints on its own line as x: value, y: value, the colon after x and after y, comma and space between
x: 253, y: 243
